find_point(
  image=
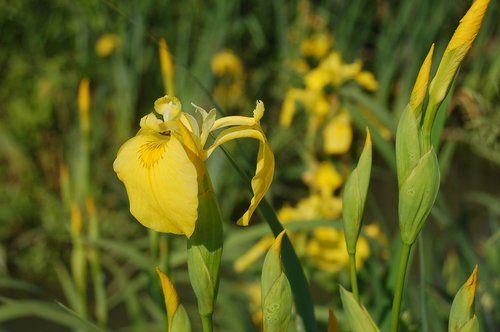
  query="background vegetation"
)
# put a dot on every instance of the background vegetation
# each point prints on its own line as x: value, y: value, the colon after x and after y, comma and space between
x: 48, y: 166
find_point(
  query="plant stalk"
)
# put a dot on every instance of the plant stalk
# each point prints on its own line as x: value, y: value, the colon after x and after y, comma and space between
x: 400, y: 283
x: 207, y: 323
x: 354, y: 277
x: 421, y: 258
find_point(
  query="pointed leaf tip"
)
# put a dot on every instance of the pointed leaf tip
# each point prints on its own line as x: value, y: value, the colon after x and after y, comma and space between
x: 471, y: 285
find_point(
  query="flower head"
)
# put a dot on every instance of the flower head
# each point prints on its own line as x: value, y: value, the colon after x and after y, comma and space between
x: 163, y: 167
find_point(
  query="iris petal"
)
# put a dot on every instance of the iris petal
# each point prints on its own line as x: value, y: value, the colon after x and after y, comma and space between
x: 161, y: 182
x: 265, y: 164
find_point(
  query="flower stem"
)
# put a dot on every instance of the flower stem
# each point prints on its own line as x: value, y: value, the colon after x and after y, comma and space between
x: 421, y: 258
x: 400, y: 283
x: 354, y: 278
x: 207, y: 323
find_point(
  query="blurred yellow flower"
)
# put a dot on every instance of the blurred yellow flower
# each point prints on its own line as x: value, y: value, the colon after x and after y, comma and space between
x: 230, y: 78
x: 316, y: 46
x: 337, y: 134
x: 163, y: 167
x: 340, y: 71
x: 293, y: 98
x: 106, y: 44
x: 226, y: 62
x: 84, y: 104
x: 328, y: 250
x: 366, y: 80
x: 326, y: 179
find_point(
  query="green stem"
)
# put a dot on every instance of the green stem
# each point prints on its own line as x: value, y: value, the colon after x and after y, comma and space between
x: 400, y: 283
x: 354, y: 278
x: 101, y: 305
x: 207, y: 323
x: 421, y: 258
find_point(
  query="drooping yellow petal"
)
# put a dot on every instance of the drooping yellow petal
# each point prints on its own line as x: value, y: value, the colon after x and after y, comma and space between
x: 170, y: 296
x: 265, y: 163
x: 161, y: 182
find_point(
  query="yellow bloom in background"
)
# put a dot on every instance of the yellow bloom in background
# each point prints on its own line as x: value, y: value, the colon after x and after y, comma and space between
x: 163, y: 167
x: 366, y: 80
x: 106, y: 44
x: 326, y: 179
x: 328, y: 251
x: 316, y: 46
x: 226, y: 62
x: 337, y: 134
x: 339, y: 70
x: 293, y: 98
x: 229, y: 77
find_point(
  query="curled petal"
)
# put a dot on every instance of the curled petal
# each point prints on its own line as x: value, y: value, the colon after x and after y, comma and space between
x: 233, y: 121
x: 227, y: 121
x: 265, y: 164
x: 161, y: 182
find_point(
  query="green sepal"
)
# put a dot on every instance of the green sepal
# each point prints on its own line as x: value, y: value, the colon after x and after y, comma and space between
x: 276, y: 291
x: 472, y: 325
x: 462, y: 309
x: 356, y: 315
x: 441, y: 83
x: 205, y: 249
x: 354, y: 196
x: 408, y: 148
x: 180, y: 321
x: 417, y: 195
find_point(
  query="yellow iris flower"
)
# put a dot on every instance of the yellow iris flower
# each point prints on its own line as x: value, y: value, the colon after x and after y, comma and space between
x: 163, y: 167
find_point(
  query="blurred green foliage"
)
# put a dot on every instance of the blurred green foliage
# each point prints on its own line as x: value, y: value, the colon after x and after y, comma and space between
x: 47, y: 47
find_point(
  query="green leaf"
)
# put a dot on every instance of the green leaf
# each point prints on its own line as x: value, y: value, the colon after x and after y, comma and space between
x: 357, y: 317
x: 276, y: 291
x: 354, y: 196
x: 14, y: 309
